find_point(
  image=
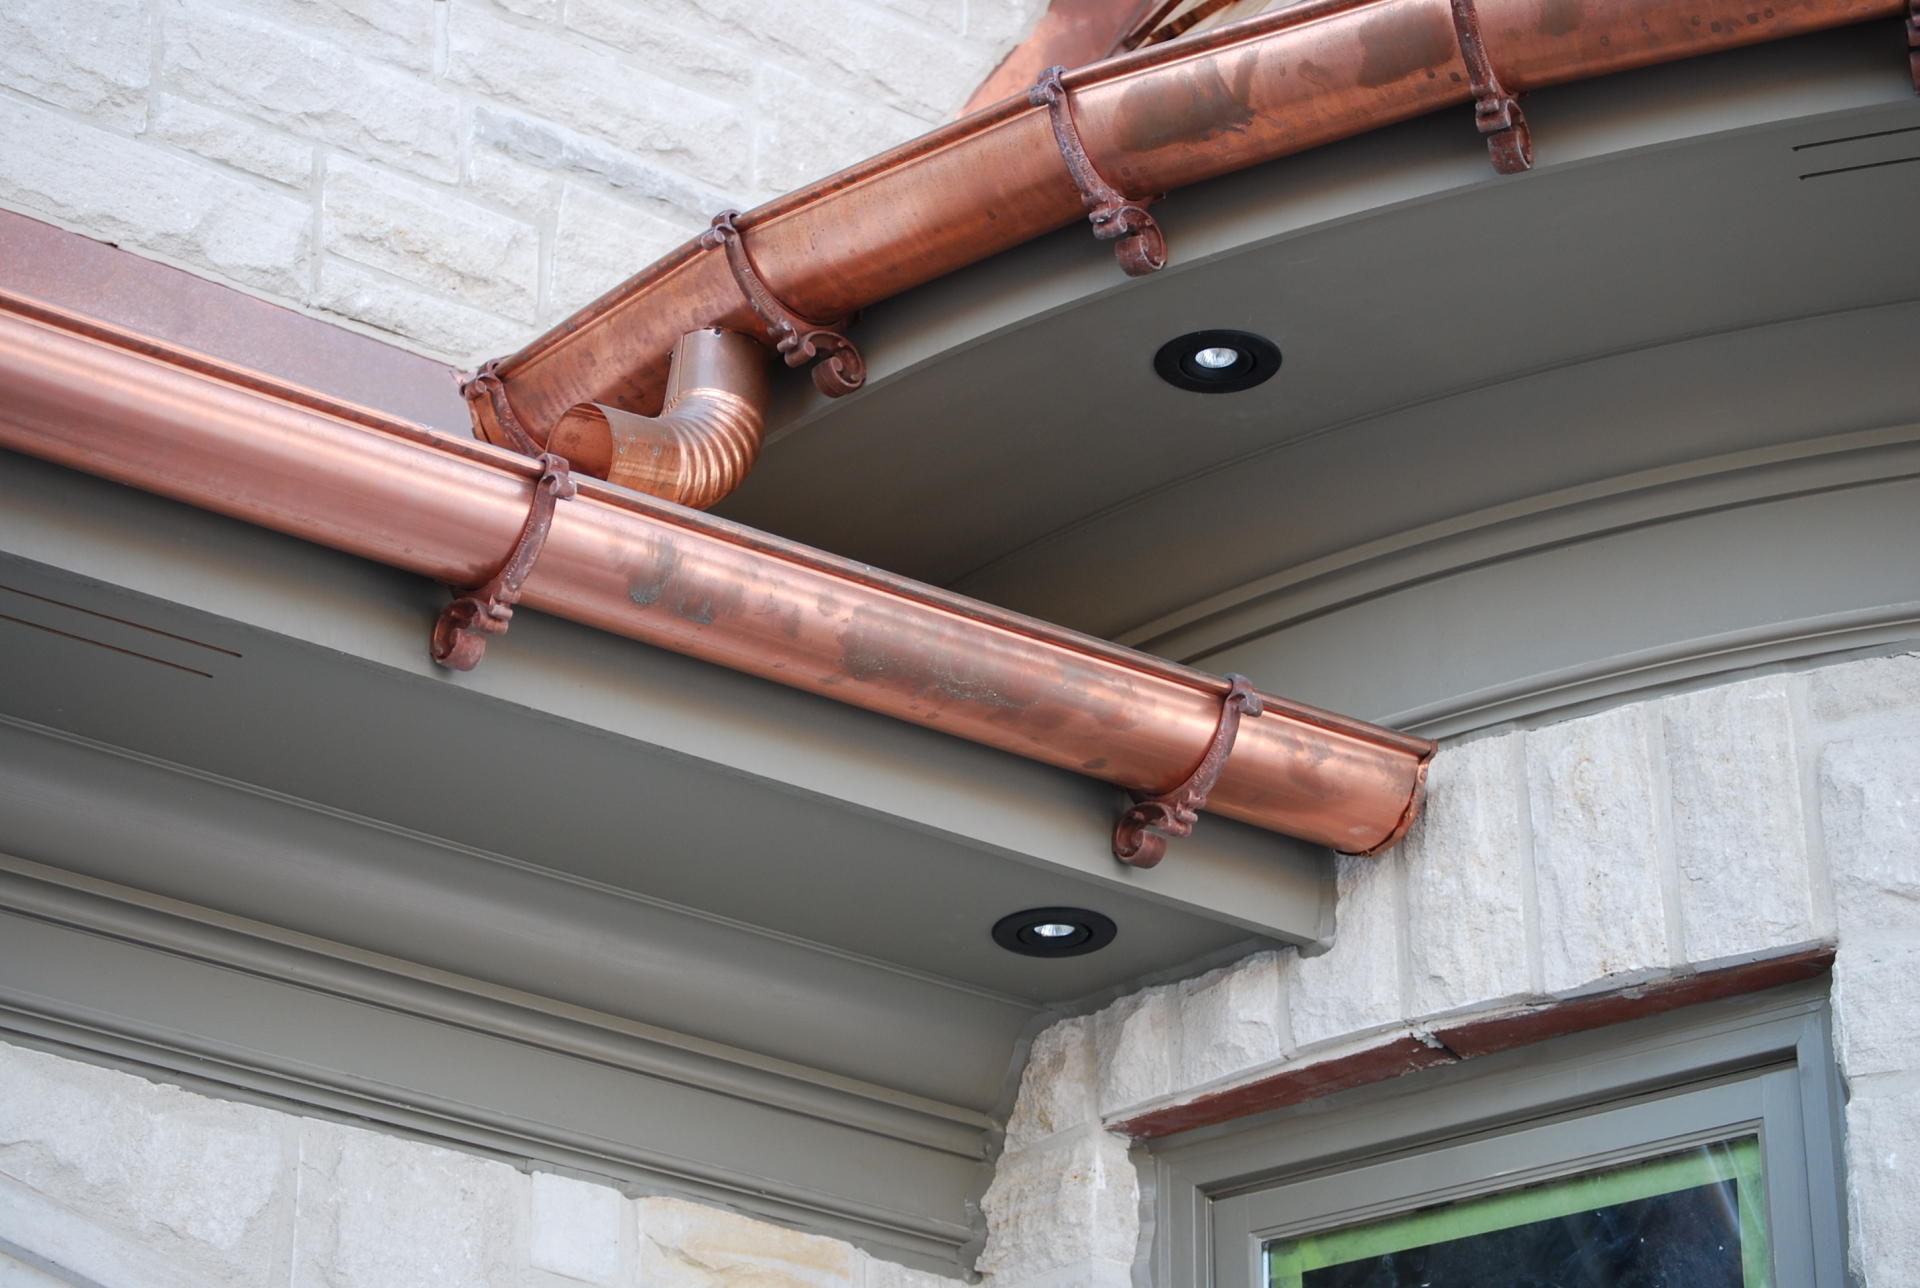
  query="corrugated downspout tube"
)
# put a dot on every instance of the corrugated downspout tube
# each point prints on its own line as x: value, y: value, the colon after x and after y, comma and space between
x: 1153, y: 121
x: 128, y: 408
x: 696, y: 450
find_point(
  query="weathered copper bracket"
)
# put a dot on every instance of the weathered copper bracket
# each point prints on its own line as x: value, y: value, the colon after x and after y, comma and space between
x: 1913, y: 41
x: 486, y: 381
x: 800, y: 341
x: 460, y: 636
x: 1176, y: 812
x: 1494, y: 110
x: 1138, y: 243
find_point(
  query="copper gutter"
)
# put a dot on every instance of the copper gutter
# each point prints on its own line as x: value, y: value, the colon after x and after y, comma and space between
x: 1164, y: 117
x: 126, y: 407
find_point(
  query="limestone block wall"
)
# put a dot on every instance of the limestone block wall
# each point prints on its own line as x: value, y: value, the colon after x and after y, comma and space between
x: 109, y: 1180
x: 456, y: 174
x: 1640, y: 845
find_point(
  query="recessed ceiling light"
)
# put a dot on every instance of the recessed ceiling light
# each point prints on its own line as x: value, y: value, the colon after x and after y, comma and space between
x: 1054, y: 932
x: 1217, y: 362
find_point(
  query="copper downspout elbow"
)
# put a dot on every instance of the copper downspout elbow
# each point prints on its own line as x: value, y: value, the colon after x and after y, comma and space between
x: 700, y: 447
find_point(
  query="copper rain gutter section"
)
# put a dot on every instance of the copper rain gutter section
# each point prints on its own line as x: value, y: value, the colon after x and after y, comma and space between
x: 1161, y: 118
x: 125, y: 407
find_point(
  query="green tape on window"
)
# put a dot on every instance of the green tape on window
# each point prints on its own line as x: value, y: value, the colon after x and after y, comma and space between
x: 1696, y: 1217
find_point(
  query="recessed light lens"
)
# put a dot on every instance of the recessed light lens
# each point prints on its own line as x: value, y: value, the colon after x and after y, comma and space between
x: 1217, y: 362
x: 1054, y: 932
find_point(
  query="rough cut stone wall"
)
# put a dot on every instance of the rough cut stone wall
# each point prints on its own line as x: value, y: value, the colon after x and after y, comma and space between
x: 1644, y: 843
x: 456, y: 174
x: 126, y: 1184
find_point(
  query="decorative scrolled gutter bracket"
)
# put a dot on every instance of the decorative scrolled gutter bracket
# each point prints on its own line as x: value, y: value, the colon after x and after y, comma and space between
x: 1494, y: 110
x: 1913, y: 41
x: 486, y: 383
x: 1138, y: 243
x: 842, y: 369
x: 460, y: 636
x: 1175, y: 812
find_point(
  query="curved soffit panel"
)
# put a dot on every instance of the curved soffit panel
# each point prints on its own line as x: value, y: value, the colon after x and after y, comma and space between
x: 1639, y: 415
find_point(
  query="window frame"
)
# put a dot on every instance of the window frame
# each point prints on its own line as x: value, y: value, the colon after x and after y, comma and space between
x: 1214, y: 1197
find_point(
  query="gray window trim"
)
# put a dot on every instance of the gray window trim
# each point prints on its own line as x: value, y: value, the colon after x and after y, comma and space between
x: 1213, y: 1196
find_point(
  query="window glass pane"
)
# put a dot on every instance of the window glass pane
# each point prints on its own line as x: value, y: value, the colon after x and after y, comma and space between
x: 1694, y: 1219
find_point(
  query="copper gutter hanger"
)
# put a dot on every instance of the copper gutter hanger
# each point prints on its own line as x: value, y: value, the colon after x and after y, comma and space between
x: 842, y: 370
x: 1139, y: 245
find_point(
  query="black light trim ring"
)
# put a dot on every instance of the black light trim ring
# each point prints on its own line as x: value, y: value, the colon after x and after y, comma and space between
x: 1020, y: 933
x: 1258, y: 358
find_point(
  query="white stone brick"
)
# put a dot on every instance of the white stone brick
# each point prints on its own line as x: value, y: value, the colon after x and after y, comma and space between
x: 1738, y: 832
x: 437, y: 240
x: 1596, y: 852
x: 665, y: 193
x: 311, y: 88
x: 233, y: 142
x: 1876, y: 1004
x: 1087, y: 1273
x: 1231, y: 1020
x: 460, y: 335
x: 202, y: 1182
x: 379, y: 1212
x: 1874, y: 686
x: 807, y: 132
x: 1071, y: 1202
x: 1355, y: 986
x: 1870, y: 813
x: 1883, y: 1188
x: 88, y: 1251
x: 871, y: 1272
x: 396, y: 31
x: 683, y: 1245
x: 950, y: 16
x: 847, y: 46
x: 1466, y: 858
x: 539, y: 10
x: 575, y: 1228
x: 530, y: 192
x: 15, y: 1273
x: 590, y: 91
x: 636, y: 29
x: 91, y: 57
x: 1137, y: 1038
x: 1002, y: 24
x: 600, y: 243
x: 144, y: 199
x: 1059, y: 1086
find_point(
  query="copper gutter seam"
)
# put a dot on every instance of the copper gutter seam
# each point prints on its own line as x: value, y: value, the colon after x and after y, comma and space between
x: 84, y: 395
x: 1163, y: 117
x: 701, y: 446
